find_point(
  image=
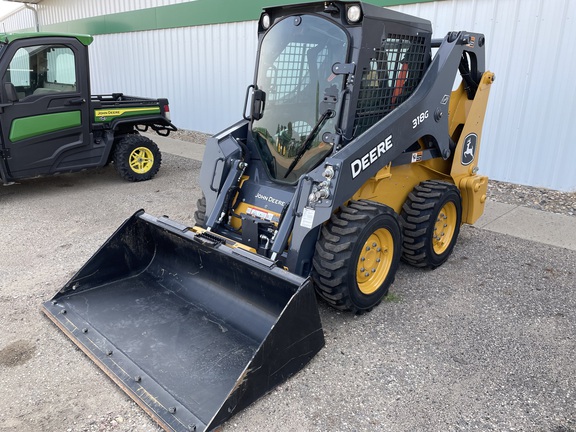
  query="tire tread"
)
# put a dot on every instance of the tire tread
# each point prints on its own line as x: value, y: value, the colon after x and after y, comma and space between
x: 334, y: 250
x: 417, y: 219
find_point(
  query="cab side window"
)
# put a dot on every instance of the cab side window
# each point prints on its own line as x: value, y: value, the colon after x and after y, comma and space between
x: 42, y: 69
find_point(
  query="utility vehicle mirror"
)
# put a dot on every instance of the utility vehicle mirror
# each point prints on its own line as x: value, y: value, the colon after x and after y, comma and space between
x: 11, y: 94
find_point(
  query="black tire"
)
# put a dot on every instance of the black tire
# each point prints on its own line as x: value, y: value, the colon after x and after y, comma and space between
x: 137, y: 158
x: 431, y: 218
x: 200, y: 213
x: 345, y: 246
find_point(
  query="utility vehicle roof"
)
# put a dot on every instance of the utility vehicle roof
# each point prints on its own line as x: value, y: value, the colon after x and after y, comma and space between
x: 11, y: 37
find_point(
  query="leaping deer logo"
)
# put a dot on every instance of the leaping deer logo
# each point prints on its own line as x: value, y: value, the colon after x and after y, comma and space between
x: 469, y: 149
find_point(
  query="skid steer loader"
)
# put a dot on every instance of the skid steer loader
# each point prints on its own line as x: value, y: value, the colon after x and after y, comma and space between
x: 354, y: 152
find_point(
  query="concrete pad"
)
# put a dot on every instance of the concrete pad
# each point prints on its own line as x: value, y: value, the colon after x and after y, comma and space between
x: 530, y: 224
x: 178, y: 147
x: 492, y: 211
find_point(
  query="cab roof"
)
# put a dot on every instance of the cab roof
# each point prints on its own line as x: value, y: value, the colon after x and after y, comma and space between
x: 369, y: 11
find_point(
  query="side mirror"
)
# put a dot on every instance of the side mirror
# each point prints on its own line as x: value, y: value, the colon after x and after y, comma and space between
x: 257, y: 103
x: 11, y: 94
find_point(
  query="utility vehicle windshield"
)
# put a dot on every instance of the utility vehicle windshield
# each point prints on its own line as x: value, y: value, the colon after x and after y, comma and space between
x: 295, y: 72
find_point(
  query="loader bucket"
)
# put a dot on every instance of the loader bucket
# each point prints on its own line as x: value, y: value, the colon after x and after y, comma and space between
x: 192, y: 329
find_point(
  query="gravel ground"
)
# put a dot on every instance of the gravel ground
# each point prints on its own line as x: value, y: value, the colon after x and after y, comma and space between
x: 485, y: 343
x: 536, y: 198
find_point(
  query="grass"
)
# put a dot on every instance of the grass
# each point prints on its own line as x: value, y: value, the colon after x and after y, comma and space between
x: 392, y: 298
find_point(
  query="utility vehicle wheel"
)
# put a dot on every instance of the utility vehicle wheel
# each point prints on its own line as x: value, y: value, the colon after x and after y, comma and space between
x: 357, y: 256
x: 137, y: 158
x: 431, y: 218
x: 200, y: 214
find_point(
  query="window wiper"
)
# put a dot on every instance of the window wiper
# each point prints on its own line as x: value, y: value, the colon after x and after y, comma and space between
x: 308, y: 141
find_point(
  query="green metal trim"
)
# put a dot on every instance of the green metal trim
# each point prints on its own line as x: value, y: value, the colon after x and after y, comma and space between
x: 84, y: 39
x: 106, y: 115
x: 28, y: 127
x: 189, y: 14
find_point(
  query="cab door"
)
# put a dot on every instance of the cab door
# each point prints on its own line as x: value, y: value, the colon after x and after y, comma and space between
x: 44, y: 118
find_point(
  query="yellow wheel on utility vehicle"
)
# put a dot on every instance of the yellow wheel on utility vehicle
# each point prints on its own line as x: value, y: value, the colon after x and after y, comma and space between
x: 137, y: 158
x: 374, y: 261
x: 141, y: 160
x: 444, y: 227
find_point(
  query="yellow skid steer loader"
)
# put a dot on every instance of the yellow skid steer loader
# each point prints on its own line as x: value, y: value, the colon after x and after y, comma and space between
x: 354, y: 152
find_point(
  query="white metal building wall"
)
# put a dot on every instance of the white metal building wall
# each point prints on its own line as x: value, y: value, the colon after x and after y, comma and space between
x: 55, y: 11
x: 204, y: 71
x: 532, y: 109
x: 19, y: 19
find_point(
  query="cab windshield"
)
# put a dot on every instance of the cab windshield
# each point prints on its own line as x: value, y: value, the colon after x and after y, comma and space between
x: 295, y: 72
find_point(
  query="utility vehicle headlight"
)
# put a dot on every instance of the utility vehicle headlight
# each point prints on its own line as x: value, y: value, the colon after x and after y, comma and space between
x: 354, y: 13
x: 265, y: 21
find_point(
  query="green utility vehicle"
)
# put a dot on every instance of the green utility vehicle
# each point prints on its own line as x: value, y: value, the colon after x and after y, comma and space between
x: 50, y: 123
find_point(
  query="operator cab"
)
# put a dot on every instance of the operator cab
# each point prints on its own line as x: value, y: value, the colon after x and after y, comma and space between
x: 305, y: 104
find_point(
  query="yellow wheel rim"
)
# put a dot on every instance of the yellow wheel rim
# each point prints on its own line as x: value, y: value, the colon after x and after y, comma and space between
x: 141, y: 160
x: 444, y: 228
x: 374, y: 261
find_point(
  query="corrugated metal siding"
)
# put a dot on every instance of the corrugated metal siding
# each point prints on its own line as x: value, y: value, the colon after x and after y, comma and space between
x: 528, y: 127
x: 20, y: 19
x: 203, y: 71
x: 55, y: 11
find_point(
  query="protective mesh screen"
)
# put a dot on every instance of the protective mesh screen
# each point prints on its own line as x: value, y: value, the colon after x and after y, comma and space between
x: 290, y: 72
x: 395, y: 70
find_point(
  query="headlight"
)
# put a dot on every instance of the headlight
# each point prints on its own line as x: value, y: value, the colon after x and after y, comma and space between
x: 265, y: 21
x: 354, y: 13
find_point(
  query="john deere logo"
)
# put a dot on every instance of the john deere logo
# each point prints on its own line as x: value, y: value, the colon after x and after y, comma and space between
x: 469, y: 149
